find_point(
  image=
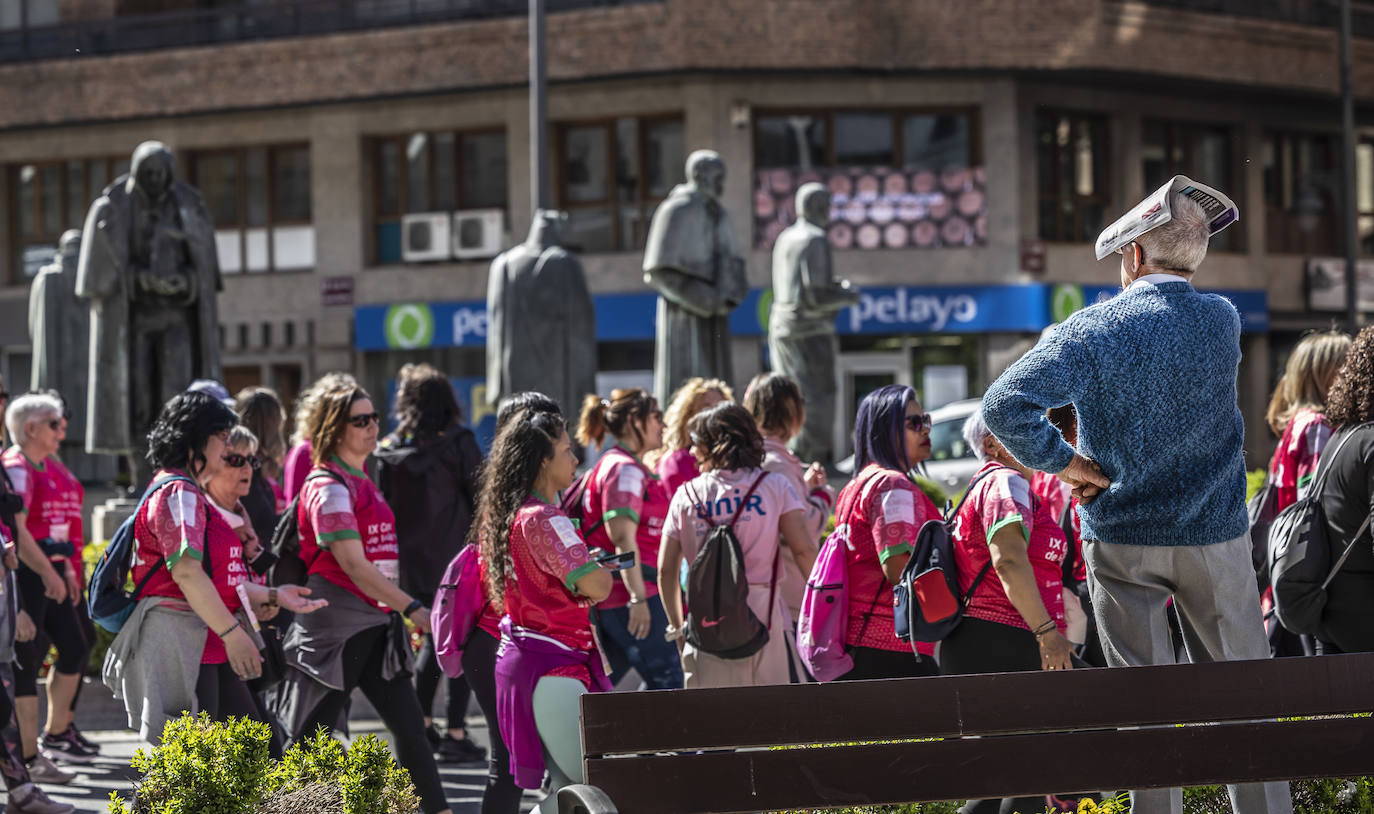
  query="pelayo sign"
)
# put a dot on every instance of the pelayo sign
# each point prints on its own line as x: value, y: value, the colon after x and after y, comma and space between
x: 966, y: 309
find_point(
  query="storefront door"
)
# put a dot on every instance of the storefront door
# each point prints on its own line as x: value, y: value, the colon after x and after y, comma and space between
x: 859, y: 374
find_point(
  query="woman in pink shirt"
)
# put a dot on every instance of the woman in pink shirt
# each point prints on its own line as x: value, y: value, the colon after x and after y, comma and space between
x: 674, y: 461
x: 765, y: 513
x: 298, y: 459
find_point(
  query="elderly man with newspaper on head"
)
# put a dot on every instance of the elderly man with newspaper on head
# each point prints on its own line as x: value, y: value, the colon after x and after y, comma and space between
x: 1159, y: 470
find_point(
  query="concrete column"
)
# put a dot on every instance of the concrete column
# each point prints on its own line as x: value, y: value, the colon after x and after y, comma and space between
x: 1003, y: 152
x: 1253, y: 397
x: 518, y: 165
x: 342, y: 216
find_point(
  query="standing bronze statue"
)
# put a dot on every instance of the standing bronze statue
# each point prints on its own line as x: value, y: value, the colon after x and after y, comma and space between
x: 694, y: 262
x: 801, y: 323
x: 149, y: 268
x: 541, y: 330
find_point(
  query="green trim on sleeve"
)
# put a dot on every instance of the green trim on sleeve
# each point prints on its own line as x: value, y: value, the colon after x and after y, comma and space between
x: 185, y: 551
x: 893, y: 551
x: 623, y: 511
x: 1007, y: 521
x: 578, y: 573
x: 323, y: 540
x: 1305, y: 479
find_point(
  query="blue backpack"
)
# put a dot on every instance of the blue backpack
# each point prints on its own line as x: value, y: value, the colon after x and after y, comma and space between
x: 927, y: 603
x: 109, y: 602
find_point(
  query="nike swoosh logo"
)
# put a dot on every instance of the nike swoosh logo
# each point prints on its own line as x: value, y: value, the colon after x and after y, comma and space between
x: 709, y: 623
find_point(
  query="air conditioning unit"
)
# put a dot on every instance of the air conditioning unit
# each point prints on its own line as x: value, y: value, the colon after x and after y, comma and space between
x: 425, y: 236
x: 477, y: 233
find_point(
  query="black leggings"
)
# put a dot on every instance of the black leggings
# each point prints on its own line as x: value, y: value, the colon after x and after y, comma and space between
x: 12, y: 765
x: 427, y: 675
x: 501, y: 796
x: 58, y: 623
x: 978, y: 646
x: 222, y: 694
x: 395, y: 701
x: 870, y: 662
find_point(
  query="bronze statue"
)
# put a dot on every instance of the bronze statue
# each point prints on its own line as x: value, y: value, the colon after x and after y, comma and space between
x: 694, y: 263
x: 541, y: 330
x: 149, y: 268
x: 801, y: 323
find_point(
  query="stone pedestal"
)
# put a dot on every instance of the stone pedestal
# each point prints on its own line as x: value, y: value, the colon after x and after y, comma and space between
x: 108, y: 516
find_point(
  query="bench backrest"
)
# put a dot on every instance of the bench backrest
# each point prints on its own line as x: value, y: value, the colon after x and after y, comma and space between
x: 1068, y: 728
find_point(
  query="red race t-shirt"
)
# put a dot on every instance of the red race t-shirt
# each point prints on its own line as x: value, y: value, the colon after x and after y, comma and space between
x: 1295, y: 460
x: 52, y: 498
x: 172, y: 524
x: 621, y: 486
x: 548, y: 557
x: 883, y: 524
x: 227, y: 572
x: 330, y: 511
x: 1001, y: 497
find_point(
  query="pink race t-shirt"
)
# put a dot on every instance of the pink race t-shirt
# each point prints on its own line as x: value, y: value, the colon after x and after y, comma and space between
x: 887, y: 516
x: 227, y: 572
x: 330, y: 511
x: 294, y: 471
x: 1295, y: 460
x: 172, y: 524
x: 712, y: 499
x: 676, y: 468
x: 548, y: 557
x: 52, y: 499
x: 1002, y: 497
x: 621, y: 486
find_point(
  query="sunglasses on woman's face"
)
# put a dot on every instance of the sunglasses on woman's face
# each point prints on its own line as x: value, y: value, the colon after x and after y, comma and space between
x: 919, y: 422
x: 363, y: 420
x: 234, y: 460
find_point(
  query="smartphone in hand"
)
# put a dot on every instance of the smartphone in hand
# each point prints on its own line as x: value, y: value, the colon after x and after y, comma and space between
x: 617, y: 562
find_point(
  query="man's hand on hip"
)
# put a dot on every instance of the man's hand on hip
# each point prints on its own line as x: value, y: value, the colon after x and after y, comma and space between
x: 1086, y: 478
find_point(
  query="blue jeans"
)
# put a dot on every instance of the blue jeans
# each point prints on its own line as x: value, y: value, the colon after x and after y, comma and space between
x: 656, y: 660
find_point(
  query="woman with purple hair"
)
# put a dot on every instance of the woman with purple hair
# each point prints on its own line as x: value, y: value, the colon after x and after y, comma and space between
x: 883, y: 510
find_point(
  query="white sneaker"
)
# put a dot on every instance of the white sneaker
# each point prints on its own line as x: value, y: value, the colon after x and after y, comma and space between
x: 30, y: 799
x: 42, y: 770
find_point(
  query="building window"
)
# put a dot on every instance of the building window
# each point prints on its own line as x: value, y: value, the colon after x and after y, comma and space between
x: 259, y: 199
x: 929, y: 140
x: 1202, y: 152
x: 1071, y: 162
x: 1301, y: 189
x: 17, y: 14
x: 48, y: 198
x: 897, y: 178
x: 434, y: 172
x: 611, y: 175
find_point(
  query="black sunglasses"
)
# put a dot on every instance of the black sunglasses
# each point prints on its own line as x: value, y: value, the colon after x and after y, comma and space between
x: 234, y: 460
x: 4, y: 395
x: 55, y: 424
x: 362, y: 420
x: 918, y: 422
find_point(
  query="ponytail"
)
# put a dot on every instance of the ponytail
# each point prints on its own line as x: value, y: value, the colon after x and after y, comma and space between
x: 591, y: 426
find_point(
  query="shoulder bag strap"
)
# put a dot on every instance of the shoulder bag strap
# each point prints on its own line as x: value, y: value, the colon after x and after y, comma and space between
x: 1316, y: 493
x: 318, y: 473
x: 162, y: 558
x: 1325, y: 462
x: 983, y: 572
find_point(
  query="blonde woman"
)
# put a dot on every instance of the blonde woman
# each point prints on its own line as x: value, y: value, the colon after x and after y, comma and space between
x: 673, y: 461
x: 298, y: 463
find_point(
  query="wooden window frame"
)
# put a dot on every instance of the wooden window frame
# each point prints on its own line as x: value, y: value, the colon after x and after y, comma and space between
x: 240, y: 155
x: 18, y: 241
x: 1180, y: 129
x: 1102, y: 198
x: 827, y: 116
x: 1278, y: 217
x: 374, y: 147
x: 643, y: 202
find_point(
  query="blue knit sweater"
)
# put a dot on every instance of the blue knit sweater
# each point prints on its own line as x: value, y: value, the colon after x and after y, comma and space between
x: 1152, y: 373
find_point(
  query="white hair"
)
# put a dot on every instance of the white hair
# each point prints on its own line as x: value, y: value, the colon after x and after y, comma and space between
x: 975, y: 431
x: 28, y: 408
x: 1180, y: 244
x: 240, y: 436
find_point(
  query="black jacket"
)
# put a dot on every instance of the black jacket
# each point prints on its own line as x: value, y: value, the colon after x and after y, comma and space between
x: 1348, y: 619
x: 432, y: 489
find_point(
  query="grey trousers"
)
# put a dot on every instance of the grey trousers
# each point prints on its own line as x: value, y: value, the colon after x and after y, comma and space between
x: 1213, y: 587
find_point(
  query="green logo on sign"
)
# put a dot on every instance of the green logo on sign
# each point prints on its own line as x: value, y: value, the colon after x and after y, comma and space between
x: 409, y: 326
x: 765, y: 305
x: 1064, y: 300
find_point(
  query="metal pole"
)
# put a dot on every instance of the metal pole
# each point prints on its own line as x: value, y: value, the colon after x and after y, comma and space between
x: 539, y: 112
x: 1352, y: 308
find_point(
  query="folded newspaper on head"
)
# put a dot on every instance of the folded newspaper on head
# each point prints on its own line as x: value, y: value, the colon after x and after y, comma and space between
x: 1154, y: 212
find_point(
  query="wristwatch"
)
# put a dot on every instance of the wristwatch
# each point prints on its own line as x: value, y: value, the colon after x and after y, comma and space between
x: 414, y: 605
x: 672, y: 634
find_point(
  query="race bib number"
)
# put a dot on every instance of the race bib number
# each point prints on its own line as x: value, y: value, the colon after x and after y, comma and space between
x: 390, y: 569
x: 567, y: 535
x: 60, y: 532
x: 899, y: 506
x: 631, y: 480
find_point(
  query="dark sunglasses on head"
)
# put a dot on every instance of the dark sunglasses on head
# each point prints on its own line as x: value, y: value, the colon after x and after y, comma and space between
x: 234, y: 460
x: 362, y: 420
x: 918, y: 422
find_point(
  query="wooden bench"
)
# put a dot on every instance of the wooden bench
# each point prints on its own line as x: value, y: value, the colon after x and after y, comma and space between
x: 1010, y: 734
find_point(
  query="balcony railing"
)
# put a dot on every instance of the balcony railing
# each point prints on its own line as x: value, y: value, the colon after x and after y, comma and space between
x: 282, y: 18
x: 1323, y: 13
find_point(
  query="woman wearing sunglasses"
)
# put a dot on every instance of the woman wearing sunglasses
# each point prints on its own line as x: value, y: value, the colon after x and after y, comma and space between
x: 49, y: 585
x: 348, y: 544
x: 221, y: 693
x: 884, y: 510
x: 623, y: 508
